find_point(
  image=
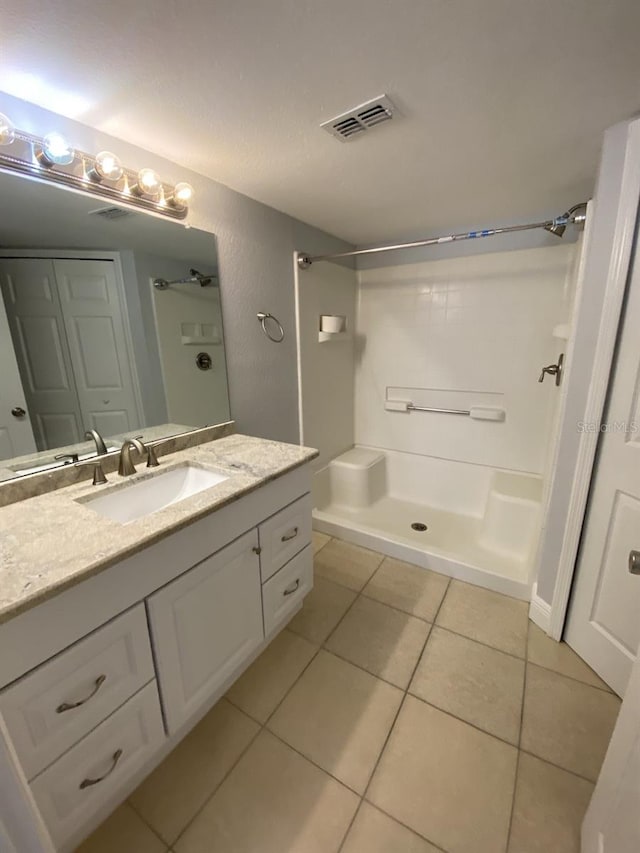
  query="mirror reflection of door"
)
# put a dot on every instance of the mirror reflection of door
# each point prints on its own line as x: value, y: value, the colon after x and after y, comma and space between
x: 67, y: 327
x: 16, y: 434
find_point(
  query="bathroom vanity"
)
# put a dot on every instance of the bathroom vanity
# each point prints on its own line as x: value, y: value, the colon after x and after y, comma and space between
x: 117, y: 636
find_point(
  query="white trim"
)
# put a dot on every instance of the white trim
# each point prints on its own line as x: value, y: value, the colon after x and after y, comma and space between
x: 539, y: 610
x: 617, y: 273
x: 296, y: 288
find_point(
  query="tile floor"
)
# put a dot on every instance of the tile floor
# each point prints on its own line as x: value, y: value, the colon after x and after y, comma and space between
x: 399, y: 712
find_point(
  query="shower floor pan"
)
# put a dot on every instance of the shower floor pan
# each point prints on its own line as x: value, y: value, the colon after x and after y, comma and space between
x: 449, y: 545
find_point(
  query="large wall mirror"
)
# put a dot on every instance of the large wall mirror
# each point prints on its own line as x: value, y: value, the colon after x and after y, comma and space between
x: 88, y: 341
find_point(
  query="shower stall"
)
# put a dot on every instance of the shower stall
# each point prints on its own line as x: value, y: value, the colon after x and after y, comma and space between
x: 432, y: 388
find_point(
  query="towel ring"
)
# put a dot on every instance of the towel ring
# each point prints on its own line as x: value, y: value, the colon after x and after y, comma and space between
x: 263, y: 322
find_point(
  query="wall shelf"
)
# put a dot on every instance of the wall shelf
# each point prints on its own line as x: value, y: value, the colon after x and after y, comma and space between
x: 561, y: 331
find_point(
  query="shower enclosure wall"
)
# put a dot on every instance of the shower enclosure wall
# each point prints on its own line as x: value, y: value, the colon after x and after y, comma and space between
x: 460, y: 494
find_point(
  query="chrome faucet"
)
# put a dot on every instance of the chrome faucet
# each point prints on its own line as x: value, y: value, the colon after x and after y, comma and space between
x: 126, y: 466
x: 101, y: 448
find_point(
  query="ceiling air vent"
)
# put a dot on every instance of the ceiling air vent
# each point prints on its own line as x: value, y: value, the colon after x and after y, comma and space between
x: 360, y: 118
x: 110, y: 213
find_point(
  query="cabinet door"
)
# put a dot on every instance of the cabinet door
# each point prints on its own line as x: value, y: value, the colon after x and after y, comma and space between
x: 204, y: 625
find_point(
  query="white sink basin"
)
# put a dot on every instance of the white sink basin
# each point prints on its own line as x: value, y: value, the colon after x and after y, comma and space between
x: 157, y: 492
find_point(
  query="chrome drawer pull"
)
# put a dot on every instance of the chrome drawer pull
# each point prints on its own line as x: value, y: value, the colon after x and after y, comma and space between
x: 634, y: 562
x: 87, y: 783
x: 288, y: 536
x: 69, y: 706
x: 291, y: 589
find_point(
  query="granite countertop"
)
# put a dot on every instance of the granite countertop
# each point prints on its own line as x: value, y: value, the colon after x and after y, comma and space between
x: 53, y: 541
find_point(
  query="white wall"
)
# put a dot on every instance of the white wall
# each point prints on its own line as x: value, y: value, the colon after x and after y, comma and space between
x: 255, y: 250
x: 326, y: 369
x: 458, y: 332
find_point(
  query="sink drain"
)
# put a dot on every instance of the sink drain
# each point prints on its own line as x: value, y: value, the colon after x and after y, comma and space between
x: 418, y: 525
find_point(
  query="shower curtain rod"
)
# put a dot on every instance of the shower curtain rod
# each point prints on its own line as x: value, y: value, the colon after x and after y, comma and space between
x: 555, y: 226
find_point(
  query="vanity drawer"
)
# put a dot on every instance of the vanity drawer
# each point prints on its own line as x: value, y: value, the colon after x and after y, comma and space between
x: 283, y: 535
x: 95, y: 770
x: 55, y: 705
x: 283, y: 593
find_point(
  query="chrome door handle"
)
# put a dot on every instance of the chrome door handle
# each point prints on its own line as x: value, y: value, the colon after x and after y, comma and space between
x: 634, y: 562
x: 87, y: 783
x: 291, y: 589
x: 69, y: 706
x: 289, y: 536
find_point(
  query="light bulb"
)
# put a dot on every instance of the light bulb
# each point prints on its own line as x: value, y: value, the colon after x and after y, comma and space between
x: 148, y: 185
x: 107, y: 167
x: 56, y: 151
x: 7, y: 130
x: 182, y: 195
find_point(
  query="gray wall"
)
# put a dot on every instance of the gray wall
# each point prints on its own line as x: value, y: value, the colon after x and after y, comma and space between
x: 255, y: 251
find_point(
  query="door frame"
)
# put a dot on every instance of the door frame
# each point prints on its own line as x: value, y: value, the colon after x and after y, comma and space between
x: 606, y: 269
x: 96, y: 255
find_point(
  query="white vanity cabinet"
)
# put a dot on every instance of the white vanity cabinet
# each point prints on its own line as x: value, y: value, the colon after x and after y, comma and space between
x: 204, y: 625
x: 100, y: 682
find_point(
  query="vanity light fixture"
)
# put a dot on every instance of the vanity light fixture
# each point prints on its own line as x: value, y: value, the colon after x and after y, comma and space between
x: 54, y: 150
x: 53, y: 159
x: 7, y: 130
x: 107, y: 167
x: 182, y: 195
x: 148, y: 185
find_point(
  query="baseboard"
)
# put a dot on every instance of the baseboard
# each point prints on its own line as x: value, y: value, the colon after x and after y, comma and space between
x: 539, y: 610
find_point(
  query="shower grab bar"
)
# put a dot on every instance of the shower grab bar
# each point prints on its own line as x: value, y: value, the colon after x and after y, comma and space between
x: 479, y: 413
x: 412, y: 408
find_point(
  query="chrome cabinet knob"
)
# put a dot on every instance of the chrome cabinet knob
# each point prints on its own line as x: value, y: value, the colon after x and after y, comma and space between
x: 18, y: 412
x: 634, y: 562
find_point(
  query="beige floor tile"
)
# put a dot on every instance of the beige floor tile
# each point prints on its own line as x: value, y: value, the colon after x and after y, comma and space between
x: 446, y: 780
x: 274, y: 801
x: 346, y: 564
x: 474, y: 682
x: 409, y: 588
x: 319, y: 540
x: 544, y: 651
x: 125, y: 832
x: 380, y: 639
x: 548, y: 809
x: 259, y: 690
x: 375, y: 832
x: 567, y: 723
x: 486, y: 616
x: 175, y: 791
x: 323, y: 608
x: 339, y: 717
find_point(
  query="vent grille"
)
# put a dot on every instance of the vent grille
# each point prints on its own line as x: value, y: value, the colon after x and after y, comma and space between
x: 360, y: 118
x: 110, y: 213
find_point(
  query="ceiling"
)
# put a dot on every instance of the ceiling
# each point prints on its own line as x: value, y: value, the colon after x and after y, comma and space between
x: 501, y: 103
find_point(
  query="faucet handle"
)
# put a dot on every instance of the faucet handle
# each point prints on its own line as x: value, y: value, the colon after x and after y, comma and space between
x: 553, y: 370
x: 72, y: 457
x: 99, y: 477
x: 152, y: 457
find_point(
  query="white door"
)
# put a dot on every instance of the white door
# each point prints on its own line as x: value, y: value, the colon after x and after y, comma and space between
x: 37, y: 329
x: 604, y: 616
x: 16, y: 435
x: 204, y: 625
x: 94, y: 324
x: 612, y: 824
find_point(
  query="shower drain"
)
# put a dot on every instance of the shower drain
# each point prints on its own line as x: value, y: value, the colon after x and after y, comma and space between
x: 418, y: 525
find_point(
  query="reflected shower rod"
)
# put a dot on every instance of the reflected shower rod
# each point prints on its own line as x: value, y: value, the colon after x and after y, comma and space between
x: 575, y: 215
